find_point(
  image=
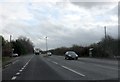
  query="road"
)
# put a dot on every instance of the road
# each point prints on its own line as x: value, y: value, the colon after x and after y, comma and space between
x: 38, y: 67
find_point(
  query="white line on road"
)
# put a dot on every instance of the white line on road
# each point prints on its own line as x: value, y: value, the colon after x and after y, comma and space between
x: 73, y: 71
x: 27, y: 62
x: 18, y: 73
x: 24, y: 66
x: 20, y: 70
x: 13, y: 78
x: 6, y: 65
x: 15, y: 62
x: 54, y: 62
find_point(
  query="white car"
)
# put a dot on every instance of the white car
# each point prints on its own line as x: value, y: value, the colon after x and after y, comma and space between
x: 49, y: 53
x: 15, y: 55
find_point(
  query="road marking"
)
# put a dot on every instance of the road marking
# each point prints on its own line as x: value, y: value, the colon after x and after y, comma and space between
x: 73, y: 71
x: 20, y: 70
x: 24, y: 66
x: 54, y: 62
x: 18, y: 73
x: 13, y: 78
x: 27, y: 62
x: 15, y: 61
x: 6, y: 65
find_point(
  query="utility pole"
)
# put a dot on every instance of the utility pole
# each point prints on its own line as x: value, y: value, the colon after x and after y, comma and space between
x: 90, y: 52
x: 105, y: 32
x: 105, y: 38
x: 10, y: 38
x: 11, y: 46
x: 46, y: 44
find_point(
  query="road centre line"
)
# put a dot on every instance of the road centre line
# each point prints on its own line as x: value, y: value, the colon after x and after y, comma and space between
x: 24, y: 66
x: 54, y: 62
x: 73, y: 71
x: 27, y: 62
x: 13, y: 78
x: 18, y: 73
x: 20, y: 70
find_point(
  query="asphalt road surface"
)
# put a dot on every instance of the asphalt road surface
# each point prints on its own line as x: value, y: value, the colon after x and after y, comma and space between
x: 38, y: 67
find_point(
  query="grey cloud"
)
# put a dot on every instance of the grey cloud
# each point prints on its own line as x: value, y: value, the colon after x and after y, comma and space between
x: 89, y: 5
x: 114, y: 11
x: 58, y: 34
x: 79, y: 36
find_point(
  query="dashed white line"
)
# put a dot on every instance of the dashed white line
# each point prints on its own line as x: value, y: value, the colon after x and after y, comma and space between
x: 13, y: 78
x: 15, y: 62
x: 27, y: 62
x: 73, y: 71
x: 20, y: 70
x: 54, y: 62
x: 7, y: 65
x: 18, y: 73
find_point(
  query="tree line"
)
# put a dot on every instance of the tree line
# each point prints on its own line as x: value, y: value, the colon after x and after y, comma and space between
x: 107, y: 47
x: 21, y: 46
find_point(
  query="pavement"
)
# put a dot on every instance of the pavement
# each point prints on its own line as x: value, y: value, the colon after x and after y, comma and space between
x: 40, y: 67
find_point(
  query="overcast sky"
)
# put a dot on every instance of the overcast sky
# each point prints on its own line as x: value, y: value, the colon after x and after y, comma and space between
x: 64, y: 22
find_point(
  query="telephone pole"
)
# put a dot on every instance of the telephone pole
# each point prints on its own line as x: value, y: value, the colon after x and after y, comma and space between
x: 11, y: 46
x: 10, y: 38
x: 105, y: 38
x: 46, y: 44
x: 105, y: 32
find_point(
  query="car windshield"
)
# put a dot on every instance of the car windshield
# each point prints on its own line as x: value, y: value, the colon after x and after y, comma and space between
x: 71, y: 53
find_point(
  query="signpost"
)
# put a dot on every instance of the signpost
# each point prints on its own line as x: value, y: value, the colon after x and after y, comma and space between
x: 90, y: 52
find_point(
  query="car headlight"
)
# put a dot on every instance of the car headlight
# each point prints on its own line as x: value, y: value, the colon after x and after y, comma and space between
x: 69, y: 55
x: 76, y: 55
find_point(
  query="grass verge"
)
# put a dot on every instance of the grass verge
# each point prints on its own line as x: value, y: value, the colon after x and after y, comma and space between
x: 5, y: 61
